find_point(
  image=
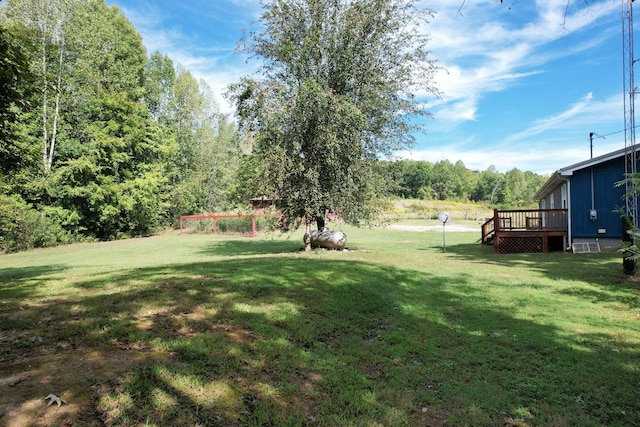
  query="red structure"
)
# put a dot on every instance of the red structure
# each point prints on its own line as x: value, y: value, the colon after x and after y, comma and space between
x: 215, y: 217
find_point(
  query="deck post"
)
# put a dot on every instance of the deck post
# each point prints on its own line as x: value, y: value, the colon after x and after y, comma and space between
x: 528, y: 231
x: 496, y: 231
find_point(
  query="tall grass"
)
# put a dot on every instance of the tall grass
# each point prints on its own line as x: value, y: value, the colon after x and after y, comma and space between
x: 219, y: 330
x: 429, y: 209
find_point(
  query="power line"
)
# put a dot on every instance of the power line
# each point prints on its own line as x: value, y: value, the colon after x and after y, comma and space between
x: 612, y: 133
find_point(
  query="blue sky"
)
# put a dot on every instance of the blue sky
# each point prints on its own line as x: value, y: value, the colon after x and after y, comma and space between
x: 523, y: 84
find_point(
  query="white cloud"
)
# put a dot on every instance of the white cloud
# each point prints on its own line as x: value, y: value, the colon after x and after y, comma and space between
x: 206, y: 59
x: 524, y: 157
x: 553, y: 122
x: 485, y: 47
x: 545, y: 146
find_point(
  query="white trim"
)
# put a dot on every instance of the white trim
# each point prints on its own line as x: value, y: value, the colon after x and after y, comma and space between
x: 566, y: 171
x: 569, y: 226
x: 569, y: 170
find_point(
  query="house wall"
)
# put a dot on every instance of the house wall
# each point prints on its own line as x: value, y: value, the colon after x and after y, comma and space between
x: 606, y: 198
x: 553, y: 200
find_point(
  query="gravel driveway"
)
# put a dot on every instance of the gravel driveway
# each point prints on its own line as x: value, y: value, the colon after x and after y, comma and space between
x: 448, y: 227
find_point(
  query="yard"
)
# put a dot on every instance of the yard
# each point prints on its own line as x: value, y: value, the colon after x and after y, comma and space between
x: 217, y: 330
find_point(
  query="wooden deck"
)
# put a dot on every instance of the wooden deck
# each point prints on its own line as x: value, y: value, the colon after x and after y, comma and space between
x: 526, y: 231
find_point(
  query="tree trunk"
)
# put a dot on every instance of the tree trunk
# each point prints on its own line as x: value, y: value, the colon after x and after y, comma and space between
x: 45, y: 137
x: 56, y: 114
x: 307, y: 238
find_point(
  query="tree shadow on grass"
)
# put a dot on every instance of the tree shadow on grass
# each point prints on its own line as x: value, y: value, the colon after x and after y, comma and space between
x: 262, y: 246
x: 602, y: 271
x: 17, y: 284
x: 17, y: 274
x: 279, y: 341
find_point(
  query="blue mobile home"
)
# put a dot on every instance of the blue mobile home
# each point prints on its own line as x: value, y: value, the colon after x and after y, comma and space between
x: 589, y: 192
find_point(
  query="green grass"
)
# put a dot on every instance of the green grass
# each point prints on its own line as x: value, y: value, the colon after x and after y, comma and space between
x: 215, y: 330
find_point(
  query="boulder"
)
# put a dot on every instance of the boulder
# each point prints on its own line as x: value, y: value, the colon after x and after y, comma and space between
x: 327, y: 239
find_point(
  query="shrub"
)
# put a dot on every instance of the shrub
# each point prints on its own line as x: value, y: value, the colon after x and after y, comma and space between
x: 24, y: 227
x: 17, y: 224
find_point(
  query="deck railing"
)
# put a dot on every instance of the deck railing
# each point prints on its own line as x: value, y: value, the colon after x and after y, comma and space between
x: 525, y: 220
x: 538, y: 220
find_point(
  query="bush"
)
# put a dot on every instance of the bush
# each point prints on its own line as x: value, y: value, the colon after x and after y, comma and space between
x: 234, y: 225
x: 17, y: 224
x: 267, y: 224
x: 23, y: 227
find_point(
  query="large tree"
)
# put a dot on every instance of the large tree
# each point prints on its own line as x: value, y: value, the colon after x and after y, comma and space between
x: 109, y: 169
x: 16, y: 84
x: 337, y: 91
x: 48, y: 20
x: 206, y: 149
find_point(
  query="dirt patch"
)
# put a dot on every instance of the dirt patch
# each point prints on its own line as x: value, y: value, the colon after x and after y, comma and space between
x: 448, y: 228
x: 75, y: 377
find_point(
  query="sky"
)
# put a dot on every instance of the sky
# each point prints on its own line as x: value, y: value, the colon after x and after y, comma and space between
x: 523, y: 82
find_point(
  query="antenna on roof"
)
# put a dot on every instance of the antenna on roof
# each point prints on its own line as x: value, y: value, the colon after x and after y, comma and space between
x: 631, y: 198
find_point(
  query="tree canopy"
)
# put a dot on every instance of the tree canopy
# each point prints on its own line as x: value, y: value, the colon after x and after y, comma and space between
x: 337, y: 90
x: 98, y: 139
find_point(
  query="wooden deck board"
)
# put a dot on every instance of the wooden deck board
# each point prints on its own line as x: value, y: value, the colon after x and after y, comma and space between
x: 517, y: 231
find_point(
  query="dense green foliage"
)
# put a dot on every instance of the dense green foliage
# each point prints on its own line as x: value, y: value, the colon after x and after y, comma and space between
x: 98, y: 139
x: 337, y: 91
x: 15, y: 85
x: 446, y: 181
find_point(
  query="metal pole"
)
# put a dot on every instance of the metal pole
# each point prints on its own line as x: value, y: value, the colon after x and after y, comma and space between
x: 628, y: 60
x: 444, y: 243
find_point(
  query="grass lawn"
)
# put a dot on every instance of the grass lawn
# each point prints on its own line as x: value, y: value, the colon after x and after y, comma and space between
x: 216, y: 330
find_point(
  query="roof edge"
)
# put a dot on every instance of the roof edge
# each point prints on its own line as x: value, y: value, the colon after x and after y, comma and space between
x: 548, y: 186
x: 561, y: 174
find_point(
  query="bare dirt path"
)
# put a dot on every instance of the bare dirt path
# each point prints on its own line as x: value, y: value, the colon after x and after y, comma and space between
x: 448, y: 227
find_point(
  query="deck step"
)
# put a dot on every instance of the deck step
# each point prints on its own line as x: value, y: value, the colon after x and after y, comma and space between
x: 586, y: 247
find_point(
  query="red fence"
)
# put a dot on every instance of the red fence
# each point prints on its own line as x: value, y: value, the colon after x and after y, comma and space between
x: 215, y: 217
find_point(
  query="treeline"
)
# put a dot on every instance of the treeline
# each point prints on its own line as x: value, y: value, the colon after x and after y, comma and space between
x: 444, y: 180
x: 100, y: 140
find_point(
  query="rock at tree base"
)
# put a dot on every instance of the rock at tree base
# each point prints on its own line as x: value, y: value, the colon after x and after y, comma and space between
x: 327, y: 239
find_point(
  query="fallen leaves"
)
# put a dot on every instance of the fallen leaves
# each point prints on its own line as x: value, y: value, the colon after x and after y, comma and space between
x: 53, y: 398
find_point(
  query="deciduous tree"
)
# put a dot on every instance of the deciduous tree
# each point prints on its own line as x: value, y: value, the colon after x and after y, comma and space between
x: 47, y: 19
x: 159, y: 80
x: 337, y: 91
x: 16, y: 85
x: 207, y: 152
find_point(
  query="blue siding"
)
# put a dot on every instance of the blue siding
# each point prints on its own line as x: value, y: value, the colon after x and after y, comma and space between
x: 606, y: 198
